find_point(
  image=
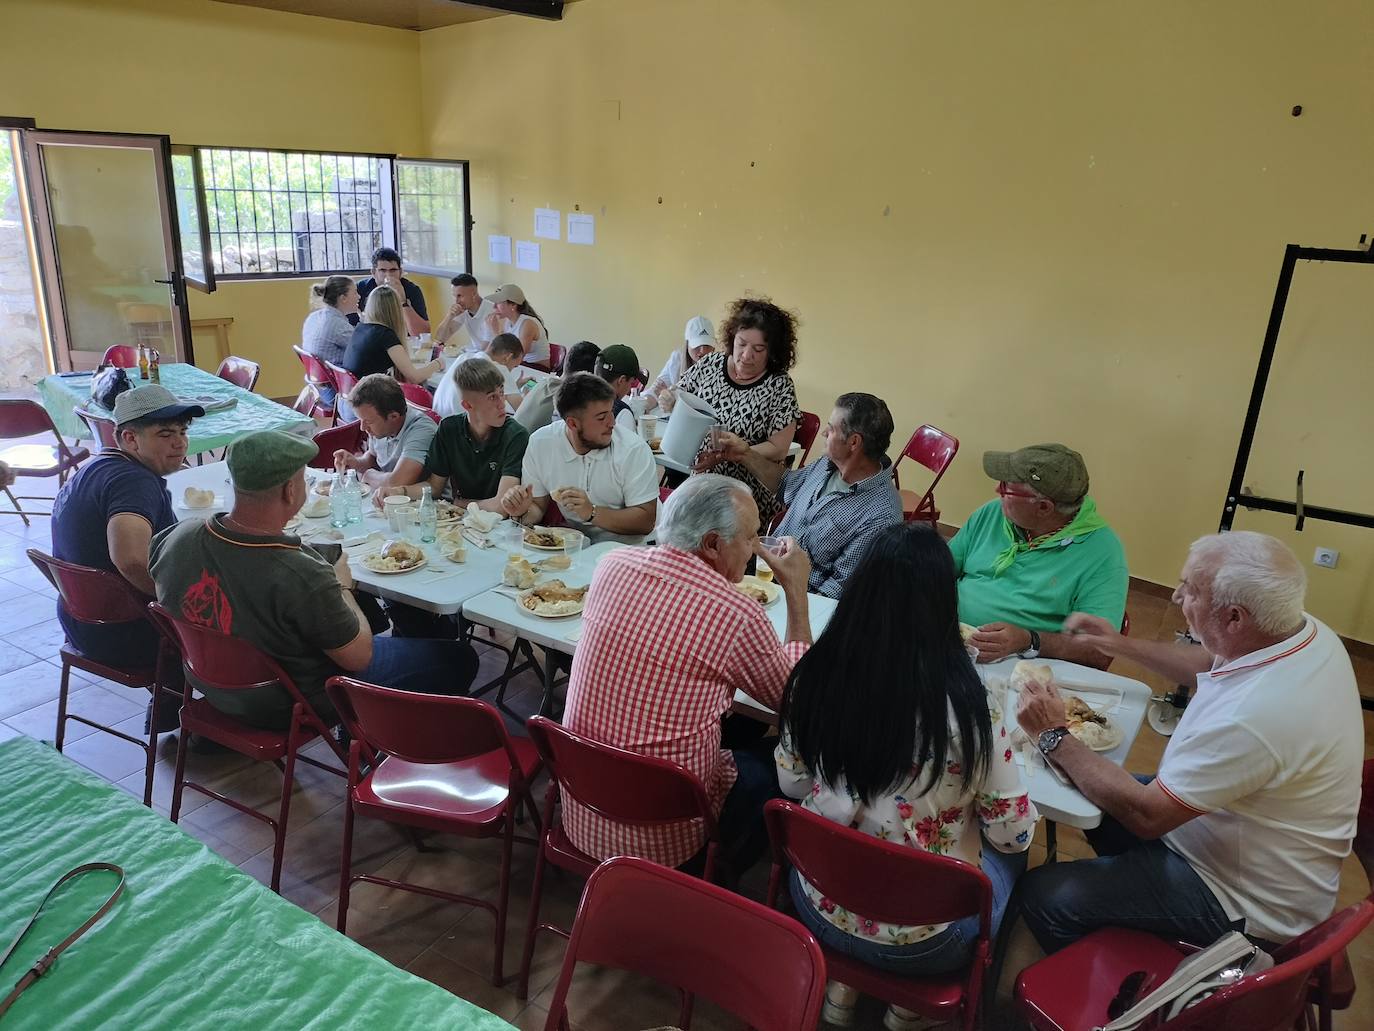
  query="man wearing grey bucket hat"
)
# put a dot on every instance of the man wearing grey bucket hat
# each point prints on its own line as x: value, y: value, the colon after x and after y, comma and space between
x: 106, y: 514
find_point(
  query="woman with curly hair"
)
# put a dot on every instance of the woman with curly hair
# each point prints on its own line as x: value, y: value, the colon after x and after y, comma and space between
x: 887, y: 728
x: 749, y: 386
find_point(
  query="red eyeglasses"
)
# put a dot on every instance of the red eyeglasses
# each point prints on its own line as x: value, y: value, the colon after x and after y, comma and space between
x: 1004, y: 490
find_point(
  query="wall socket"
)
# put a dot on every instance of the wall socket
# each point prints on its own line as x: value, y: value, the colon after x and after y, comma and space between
x: 1326, y: 558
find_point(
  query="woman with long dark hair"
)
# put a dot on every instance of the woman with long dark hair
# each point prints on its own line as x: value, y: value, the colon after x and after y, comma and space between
x: 886, y: 727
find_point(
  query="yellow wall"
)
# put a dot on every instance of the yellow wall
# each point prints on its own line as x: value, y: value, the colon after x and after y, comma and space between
x: 211, y: 73
x: 1020, y: 222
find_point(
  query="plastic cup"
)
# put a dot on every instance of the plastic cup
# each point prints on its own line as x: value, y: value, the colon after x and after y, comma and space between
x: 573, y: 541
x: 397, y: 509
x: 773, y: 544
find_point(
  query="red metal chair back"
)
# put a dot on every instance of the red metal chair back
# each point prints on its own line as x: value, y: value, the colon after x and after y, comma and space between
x: 20, y: 417
x: 807, y: 427
x: 91, y: 595
x: 222, y: 661
x: 935, y: 449
x: 102, y: 427
x: 419, y: 728
x: 124, y: 356
x: 558, y: 354
x: 618, y: 784
x: 863, y: 874
x: 316, y: 369
x: 759, y: 965
x: 349, y: 437
x: 418, y: 395
x: 239, y: 371
x: 1275, y: 999
x: 344, y: 381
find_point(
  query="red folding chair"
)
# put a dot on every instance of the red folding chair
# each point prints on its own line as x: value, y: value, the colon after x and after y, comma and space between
x: 558, y: 354
x: 935, y: 449
x: 239, y: 371
x: 24, y: 418
x: 617, y: 785
x: 807, y: 427
x: 449, y: 766
x: 1073, y: 988
x: 227, y: 663
x: 701, y: 939
x: 317, y: 378
x: 344, y: 382
x: 99, y: 598
x: 102, y: 427
x: 418, y: 395
x: 893, y: 884
x: 349, y: 437
x: 123, y: 356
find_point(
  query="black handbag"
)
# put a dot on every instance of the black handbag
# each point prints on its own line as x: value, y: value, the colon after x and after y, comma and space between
x: 108, y: 384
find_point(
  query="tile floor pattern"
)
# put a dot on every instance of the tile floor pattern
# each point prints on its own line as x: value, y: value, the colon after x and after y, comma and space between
x: 442, y: 942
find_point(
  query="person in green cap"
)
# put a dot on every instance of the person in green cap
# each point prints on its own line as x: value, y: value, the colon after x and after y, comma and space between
x: 618, y: 365
x: 241, y: 573
x: 1034, y: 555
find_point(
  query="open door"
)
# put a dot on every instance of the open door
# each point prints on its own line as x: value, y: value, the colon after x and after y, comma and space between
x: 108, y: 243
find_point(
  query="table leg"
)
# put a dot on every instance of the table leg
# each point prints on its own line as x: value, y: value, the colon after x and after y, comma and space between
x: 550, y: 669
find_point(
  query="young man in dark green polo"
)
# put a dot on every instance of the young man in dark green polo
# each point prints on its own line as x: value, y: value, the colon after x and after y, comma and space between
x: 1036, y: 554
x: 479, y: 451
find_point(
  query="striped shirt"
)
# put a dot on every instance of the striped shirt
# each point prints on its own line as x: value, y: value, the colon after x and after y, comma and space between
x: 836, y: 528
x: 666, y: 641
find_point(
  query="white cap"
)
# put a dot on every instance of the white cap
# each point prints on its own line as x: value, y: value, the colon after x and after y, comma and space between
x: 699, y: 331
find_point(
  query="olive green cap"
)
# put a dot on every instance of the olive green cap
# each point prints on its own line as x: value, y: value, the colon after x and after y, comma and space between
x: 267, y: 459
x: 1053, y: 470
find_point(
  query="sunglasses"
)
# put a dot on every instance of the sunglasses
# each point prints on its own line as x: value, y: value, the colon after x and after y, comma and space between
x: 1006, y: 491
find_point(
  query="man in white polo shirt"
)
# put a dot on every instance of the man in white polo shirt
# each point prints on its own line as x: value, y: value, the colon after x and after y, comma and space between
x: 469, y: 311
x: 1254, y: 807
x: 602, y: 476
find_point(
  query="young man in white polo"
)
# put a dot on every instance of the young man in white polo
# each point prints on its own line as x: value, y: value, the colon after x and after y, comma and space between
x: 602, y: 476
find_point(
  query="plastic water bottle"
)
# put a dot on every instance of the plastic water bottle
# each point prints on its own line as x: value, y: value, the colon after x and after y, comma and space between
x: 338, y: 503
x: 429, y: 517
x: 355, y: 498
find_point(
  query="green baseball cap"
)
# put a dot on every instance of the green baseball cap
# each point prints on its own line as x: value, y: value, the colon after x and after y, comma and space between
x: 1054, y: 470
x: 617, y: 360
x: 267, y: 459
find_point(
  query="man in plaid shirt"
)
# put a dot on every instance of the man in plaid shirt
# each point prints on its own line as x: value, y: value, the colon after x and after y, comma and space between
x: 666, y: 641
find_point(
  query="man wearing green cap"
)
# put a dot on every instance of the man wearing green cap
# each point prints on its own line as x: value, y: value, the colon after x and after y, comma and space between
x: 242, y: 574
x: 1036, y: 554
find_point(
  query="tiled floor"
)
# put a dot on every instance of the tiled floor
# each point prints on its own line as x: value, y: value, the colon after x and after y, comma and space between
x: 445, y: 943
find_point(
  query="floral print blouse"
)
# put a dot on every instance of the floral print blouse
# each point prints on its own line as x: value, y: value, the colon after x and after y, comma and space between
x: 941, y: 821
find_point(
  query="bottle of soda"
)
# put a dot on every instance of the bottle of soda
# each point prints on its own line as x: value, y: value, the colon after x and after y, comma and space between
x: 142, y: 361
x: 429, y: 517
x: 355, y: 498
x: 338, y: 502
x: 154, y: 373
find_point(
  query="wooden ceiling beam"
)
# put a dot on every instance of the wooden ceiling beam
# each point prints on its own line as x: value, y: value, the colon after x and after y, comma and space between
x: 552, y: 10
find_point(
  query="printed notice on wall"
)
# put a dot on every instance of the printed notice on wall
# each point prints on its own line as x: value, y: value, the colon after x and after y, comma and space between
x: 498, y: 250
x: 581, y: 229
x: 547, y: 223
x: 527, y: 255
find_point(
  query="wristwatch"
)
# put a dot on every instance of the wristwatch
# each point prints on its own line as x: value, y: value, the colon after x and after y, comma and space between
x: 1034, y: 650
x: 1049, y: 740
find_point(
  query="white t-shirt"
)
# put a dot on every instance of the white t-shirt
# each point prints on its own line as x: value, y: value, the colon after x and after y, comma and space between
x: 539, y: 350
x: 622, y: 475
x: 672, y: 368
x: 479, y: 333
x: 1270, y: 751
x: 447, y: 399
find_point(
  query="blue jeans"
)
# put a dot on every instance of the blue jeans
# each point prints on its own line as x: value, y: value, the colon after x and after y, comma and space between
x: 1133, y: 883
x: 743, y: 835
x: 413, y: 664
x: 941, y: 953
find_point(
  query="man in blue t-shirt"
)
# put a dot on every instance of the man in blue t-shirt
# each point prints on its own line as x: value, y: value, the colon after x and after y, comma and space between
x: 106, y: 515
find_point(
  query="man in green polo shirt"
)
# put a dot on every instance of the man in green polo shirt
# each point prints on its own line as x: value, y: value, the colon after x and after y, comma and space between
x: 479, y: 451
x: 1036, y: 554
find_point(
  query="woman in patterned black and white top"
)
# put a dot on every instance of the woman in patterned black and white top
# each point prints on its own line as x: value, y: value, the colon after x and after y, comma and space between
x: 750, y: 387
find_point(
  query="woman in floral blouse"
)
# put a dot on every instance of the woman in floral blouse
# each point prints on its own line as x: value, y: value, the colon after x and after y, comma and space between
x: 905, y: 744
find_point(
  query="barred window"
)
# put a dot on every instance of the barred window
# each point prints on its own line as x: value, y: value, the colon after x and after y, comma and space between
x: 432, y: 205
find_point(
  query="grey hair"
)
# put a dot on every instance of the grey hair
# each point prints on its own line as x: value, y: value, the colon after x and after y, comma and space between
x: 705, y: 503
x: 1256, y: 572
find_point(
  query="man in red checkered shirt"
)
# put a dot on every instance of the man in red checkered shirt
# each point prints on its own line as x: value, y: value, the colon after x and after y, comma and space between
x: 666, y: 641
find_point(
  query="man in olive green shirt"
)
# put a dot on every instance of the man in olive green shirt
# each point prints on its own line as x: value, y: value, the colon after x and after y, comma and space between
x: 479, y: 451
x: 1038, y: 553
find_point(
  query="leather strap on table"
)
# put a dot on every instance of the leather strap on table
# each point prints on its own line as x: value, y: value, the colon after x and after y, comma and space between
x: 46, y: 961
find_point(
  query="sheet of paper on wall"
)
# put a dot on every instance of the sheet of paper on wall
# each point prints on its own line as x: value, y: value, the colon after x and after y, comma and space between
x: 498, y: 250
x: 548, y: 223
x: 581, y: 229
x: 527, y: 255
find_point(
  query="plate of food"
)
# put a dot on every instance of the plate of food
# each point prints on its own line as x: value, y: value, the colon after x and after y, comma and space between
x: 395, y: 557
x: 761, y: 591
x: 553, y: 600
x: 541, y: 538
x: 316, y: 508
x: 1089, y: 725
x: 193, y: 499
x: 323, y: 487
x: 447, y: 512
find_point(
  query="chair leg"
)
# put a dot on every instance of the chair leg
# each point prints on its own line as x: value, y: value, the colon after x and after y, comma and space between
x: 279, y: 846
x: 15, y: 502
x: 152, y: 748
x: 179, y: 777
x: 62, y: 707
x: 346, y: 867
x: 532, y: 929
x: 503, y: 897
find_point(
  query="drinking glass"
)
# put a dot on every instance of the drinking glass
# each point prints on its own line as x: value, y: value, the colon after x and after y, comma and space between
x: 573, y: 540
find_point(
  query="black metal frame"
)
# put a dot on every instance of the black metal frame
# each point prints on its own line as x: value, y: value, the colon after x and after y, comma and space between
x: 551, y: 10
x: 1235, y: 496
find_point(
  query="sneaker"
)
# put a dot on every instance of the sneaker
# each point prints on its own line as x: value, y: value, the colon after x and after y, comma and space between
x: 898, y: 1019
x: 839, y: 1004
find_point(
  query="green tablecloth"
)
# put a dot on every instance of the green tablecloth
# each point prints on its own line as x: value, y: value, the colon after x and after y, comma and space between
x: 216, y: 430
x: 193, y: 942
